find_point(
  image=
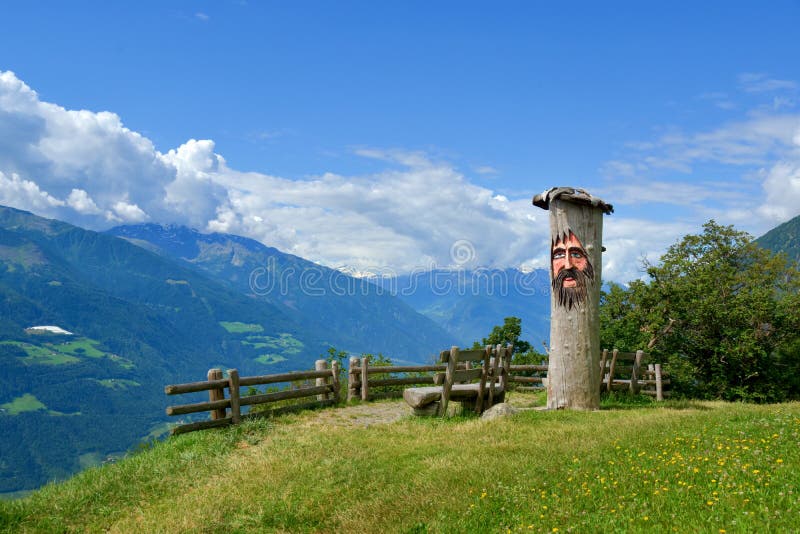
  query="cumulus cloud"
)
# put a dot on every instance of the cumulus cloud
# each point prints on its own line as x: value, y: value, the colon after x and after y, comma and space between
x: 782, y: 189
x: 126, y: 212
x: 402, y: 219
x: 65, y: 150
x: 80, y: 201
x: 91, y: 170
x: 419, y: 212
x: 15, y: 191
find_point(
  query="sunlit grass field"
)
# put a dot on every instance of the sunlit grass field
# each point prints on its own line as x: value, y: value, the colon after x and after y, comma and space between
x: 678, y: 466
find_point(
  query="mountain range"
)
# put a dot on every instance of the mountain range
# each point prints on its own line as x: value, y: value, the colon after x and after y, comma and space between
x: 137, y: 319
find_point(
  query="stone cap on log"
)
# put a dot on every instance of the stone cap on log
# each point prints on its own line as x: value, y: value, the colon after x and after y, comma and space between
x: 570, y: 194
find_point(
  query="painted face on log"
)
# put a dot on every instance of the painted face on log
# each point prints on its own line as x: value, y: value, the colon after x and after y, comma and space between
x: 571, y: 270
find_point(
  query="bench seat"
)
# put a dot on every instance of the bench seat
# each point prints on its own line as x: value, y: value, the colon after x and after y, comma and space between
x: 422, y: 396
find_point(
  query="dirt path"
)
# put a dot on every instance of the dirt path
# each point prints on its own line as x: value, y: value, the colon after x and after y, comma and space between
x: 386, y: 411
x: 366, y: 414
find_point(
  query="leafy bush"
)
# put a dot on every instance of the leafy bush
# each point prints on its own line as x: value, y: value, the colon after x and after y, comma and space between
x: 722, y: 313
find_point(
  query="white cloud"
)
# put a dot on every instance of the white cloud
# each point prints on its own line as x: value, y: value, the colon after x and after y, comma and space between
x: 403, y: 219
x: 64, y: 150
x: 407, y: 216
x: 782, y: 189
x: 129, y: 212
x: 755, y: 163
x: 14, y: 191
x: 486, y: 170
x: 753, y: 82
x: 80, y: 201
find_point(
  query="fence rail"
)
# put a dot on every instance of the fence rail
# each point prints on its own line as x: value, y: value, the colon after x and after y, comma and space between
x: 637, y: 378
x: 358, y: 388
x: 326, y: 391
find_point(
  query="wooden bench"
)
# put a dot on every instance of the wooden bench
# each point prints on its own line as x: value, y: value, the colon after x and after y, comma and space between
x: 477, y: 378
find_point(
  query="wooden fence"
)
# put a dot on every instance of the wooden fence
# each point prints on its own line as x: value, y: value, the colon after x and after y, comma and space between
x: 620, y: 370
x: 358, y: 388
x: 626, y: 370
x: 326, y: 390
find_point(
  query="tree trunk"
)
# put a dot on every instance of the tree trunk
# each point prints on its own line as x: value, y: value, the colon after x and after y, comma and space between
x: 576, y: 230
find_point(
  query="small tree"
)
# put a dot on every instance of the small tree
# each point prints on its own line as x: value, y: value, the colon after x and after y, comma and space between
x: 508, y: 333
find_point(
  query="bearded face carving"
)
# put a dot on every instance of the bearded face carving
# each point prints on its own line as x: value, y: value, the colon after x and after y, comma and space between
x: 570, y: 270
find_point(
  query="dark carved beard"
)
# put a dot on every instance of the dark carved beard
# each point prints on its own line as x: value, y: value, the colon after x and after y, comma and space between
x: 572, y: 296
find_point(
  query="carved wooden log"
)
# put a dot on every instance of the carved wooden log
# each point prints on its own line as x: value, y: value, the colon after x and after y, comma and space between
x: 200, y: 425
x: 401, y: 381
x: 405, y: 369
x: 576, y: 240
x: 193, y: 387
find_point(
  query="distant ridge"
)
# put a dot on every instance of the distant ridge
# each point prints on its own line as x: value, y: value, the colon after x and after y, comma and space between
x: 351, y: 313
x: 783, y: 238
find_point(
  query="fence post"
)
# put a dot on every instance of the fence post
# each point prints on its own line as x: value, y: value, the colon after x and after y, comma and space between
x: 321, y: 365
x: 614, y: 354
x: 659, y: 386
x: 216, y: 394
x: 352, y: 391
x: 635, y: 373
x: 335, y: 381
x: 364, y: 378
x: 603, y: 360
x: 233, y: 386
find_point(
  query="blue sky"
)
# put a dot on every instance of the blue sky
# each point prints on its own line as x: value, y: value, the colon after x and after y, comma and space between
x: 376, y: 135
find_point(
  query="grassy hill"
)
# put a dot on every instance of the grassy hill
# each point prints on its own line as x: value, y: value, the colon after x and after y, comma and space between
x: 140, y: 321
x: 681, y: 465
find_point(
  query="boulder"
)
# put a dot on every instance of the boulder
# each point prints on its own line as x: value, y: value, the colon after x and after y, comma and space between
x: 499, y: 410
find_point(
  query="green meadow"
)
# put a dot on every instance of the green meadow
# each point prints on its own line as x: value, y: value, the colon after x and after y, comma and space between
x: 679, y: 466
x: 24, y: 403
x: 63, y: 353
x: 235, y: 327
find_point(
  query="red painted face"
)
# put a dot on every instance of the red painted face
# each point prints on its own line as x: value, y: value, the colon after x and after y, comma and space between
x: 568, y: 255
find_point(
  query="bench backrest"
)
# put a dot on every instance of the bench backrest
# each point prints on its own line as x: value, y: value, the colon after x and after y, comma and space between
x: 456, y: 374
